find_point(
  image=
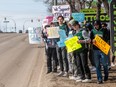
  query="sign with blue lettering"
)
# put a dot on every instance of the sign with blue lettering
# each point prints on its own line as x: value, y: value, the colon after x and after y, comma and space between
x: 80, y: 17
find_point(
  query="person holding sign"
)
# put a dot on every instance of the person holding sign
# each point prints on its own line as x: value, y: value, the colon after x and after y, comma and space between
x: 52, y: 60
x: 99, y: 56
x: 89, y: 27
x: 62, y: 52
x: 80, y: 55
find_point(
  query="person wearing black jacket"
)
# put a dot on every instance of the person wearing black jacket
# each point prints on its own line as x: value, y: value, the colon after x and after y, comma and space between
x: 99, y: 56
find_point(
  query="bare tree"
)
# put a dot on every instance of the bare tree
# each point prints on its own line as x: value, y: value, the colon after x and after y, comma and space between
x: 106, y: 6
x: 77, y: 5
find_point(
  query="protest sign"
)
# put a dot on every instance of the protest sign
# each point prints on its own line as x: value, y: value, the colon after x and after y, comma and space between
x: 80, y: 17
x: 63, y: 10
x: 34, y: 35
x: 62, y: 35
x: 53, y: 32
x: 61, y: 43
x: 102, y: 45
x: 72, y: 44
x: 50, y: 19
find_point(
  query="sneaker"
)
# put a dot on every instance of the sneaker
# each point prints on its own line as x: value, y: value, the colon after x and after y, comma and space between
x: 65, y: 74
x: 105, y: 78
x: 72, y: 77
x: 49, y: 71
x: 112, y: 64
x: 79, y: 80
x: 55, y: 70
x: 100, y: 82
x: 93, y: 69
x: 109, y: 67
x: 60, y: 73
x: 86, y: 80
x: 78, y: 77
x: 58, y: 67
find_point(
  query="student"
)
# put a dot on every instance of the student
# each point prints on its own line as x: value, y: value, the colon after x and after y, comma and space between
x: 52, y: 60
x: 89, y: 27
x: 61, y: 51
x: 44, y: 36
x: 99, y: 56
x: 107, y: 39
x: 80, y: 55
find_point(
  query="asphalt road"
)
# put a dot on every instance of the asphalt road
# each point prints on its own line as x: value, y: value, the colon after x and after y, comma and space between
x: 21, y: 64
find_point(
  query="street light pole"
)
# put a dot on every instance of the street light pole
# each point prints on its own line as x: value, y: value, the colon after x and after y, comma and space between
x: 5, y: 21
x: 25, y: 22
x: 14, y: 24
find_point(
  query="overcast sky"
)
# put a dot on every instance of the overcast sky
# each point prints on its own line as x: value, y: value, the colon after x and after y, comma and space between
x: 21, y: 10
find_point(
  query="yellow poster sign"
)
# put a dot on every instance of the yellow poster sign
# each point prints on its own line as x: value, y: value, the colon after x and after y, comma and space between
x: 72, y: 44
x: 53, y: 32
x: 102, y: 45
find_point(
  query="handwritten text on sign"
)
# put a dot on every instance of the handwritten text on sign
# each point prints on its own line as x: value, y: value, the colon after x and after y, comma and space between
x: 72, y: 44
x: 63, y: 10
x: 102, y: 45
x: 53, y: 32
x: 34, y: 35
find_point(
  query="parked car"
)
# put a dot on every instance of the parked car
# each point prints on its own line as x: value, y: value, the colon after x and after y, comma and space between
x: 20, y: 31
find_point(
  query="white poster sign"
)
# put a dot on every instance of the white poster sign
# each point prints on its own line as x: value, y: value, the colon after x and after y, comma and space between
x: 63, y: 10
x: 34, y: 35
x: 53, y: 32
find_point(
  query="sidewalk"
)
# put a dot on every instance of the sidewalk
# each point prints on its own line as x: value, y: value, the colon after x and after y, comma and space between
x: 51, y: 80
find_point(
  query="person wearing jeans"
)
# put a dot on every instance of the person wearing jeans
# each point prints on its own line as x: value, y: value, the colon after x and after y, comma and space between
x: 61, y: 51
x: 99, y: 56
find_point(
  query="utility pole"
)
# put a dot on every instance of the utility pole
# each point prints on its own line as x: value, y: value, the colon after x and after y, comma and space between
x: 98, y: 9
x: 55, y: 2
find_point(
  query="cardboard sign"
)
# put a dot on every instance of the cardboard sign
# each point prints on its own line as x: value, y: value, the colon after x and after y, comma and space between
x: 102, y: 45
x: 72, y: 44
x: 63, y: 36
x: 34, y: 35
x: 80, y: 17
x: 53, y: 32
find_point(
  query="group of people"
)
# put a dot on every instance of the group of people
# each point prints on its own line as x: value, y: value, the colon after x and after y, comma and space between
x: 75, y: 64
